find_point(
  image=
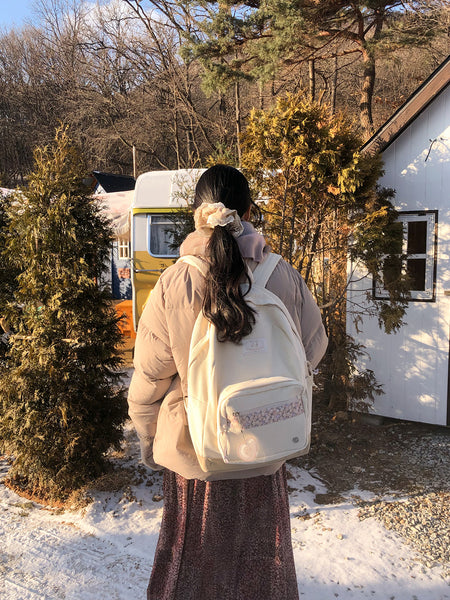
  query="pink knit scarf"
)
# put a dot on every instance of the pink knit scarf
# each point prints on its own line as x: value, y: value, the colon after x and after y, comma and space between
x: 251, y: 244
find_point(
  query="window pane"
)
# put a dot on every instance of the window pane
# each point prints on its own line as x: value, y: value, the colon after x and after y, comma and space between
x: 124, y: 250
x: 397, y: 238
x: 417, y: 237
x: 392, y: 270
x: 160, y: 237
x: 416, y: 271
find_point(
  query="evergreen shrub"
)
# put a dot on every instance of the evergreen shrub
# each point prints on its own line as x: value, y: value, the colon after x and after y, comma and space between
x: 62, y: 402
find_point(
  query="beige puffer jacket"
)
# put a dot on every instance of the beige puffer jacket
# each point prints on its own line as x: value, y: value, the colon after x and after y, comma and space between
x: 158, y: 384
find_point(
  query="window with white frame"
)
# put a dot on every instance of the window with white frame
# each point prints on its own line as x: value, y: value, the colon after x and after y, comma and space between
x: 124, y: 249
x: 160, y: 236
x: 418, y: 257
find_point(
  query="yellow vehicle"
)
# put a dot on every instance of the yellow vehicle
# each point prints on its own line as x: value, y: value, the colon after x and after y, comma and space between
x: 157, y: 194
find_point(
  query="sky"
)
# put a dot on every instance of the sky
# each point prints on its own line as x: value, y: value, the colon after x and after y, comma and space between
x: 17, y: 13
x: 14, y: 12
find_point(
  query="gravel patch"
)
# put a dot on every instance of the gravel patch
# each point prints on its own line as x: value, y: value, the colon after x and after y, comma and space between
x: 405, y: 465
x: 424, y: 521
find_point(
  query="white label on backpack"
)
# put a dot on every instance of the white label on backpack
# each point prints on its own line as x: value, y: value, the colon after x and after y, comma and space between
x: 254, y: 346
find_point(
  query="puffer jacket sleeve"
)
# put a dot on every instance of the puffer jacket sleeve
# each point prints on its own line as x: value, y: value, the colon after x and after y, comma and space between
x: 154, y: 371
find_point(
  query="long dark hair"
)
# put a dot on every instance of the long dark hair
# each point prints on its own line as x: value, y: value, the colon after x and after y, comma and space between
x: 224, y: 304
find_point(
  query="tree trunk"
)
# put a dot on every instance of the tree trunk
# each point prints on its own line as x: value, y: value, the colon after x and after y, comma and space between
x: 292, y: 235
x: 312, y: 79
x: 188, y: 148
x: 334, y: 86
x: 237, y: 103
x: 176, y: 134
x: 365, y: 105
x: 314, y: 243
x: 283, y: 214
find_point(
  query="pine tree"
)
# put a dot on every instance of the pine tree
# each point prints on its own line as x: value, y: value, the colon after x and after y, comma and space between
x: 8, y: 277
x: 62, y: 403
x: 238, y: 39
x: 322, y: 201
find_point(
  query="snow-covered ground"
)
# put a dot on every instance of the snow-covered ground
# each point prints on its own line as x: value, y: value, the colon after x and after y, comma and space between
x: 105, y: 550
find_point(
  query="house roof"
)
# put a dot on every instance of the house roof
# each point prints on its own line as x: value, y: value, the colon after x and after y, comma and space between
x: 410, y: 110
x: 114, y: 183
x: 116, y: 206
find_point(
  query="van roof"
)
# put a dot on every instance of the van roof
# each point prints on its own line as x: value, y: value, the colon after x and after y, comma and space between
x: 165, y: 189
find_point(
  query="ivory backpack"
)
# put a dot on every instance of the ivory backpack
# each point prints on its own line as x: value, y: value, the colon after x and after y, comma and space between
x: 249, y: 404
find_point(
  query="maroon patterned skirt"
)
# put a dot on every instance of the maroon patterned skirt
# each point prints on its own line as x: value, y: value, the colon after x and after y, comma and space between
x: 224, y: 540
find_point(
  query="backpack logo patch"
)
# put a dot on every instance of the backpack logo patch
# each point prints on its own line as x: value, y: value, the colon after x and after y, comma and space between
x: 254, y: 346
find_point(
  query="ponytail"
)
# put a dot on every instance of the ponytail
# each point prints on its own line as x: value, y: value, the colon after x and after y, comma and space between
x: 224, y: 304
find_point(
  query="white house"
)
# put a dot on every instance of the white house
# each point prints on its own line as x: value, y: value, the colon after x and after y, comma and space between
x: 413, y: 364
x: 116, y: 194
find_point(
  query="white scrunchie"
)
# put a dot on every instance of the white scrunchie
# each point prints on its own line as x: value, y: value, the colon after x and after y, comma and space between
x: 208, y: 216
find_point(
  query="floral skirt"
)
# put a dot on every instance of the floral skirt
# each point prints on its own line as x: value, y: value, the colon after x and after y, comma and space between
x: 224, y: 540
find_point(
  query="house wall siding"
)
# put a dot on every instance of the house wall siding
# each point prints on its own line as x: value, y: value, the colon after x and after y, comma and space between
x: 413, y: 364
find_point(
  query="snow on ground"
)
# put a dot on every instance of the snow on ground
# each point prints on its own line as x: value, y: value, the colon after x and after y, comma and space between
x: 338, y: 556
x: 105, y: 550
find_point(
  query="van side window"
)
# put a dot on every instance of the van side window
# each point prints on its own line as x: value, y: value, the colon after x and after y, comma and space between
x: 160, y: 237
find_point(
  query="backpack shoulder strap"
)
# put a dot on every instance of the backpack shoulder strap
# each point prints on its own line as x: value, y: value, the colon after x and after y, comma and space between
x: 194, y: 261
x: 260, y: 275
x: 265, y: 269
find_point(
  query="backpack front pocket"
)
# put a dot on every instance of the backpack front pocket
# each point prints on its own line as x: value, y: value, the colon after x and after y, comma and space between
x: 262, y: 420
